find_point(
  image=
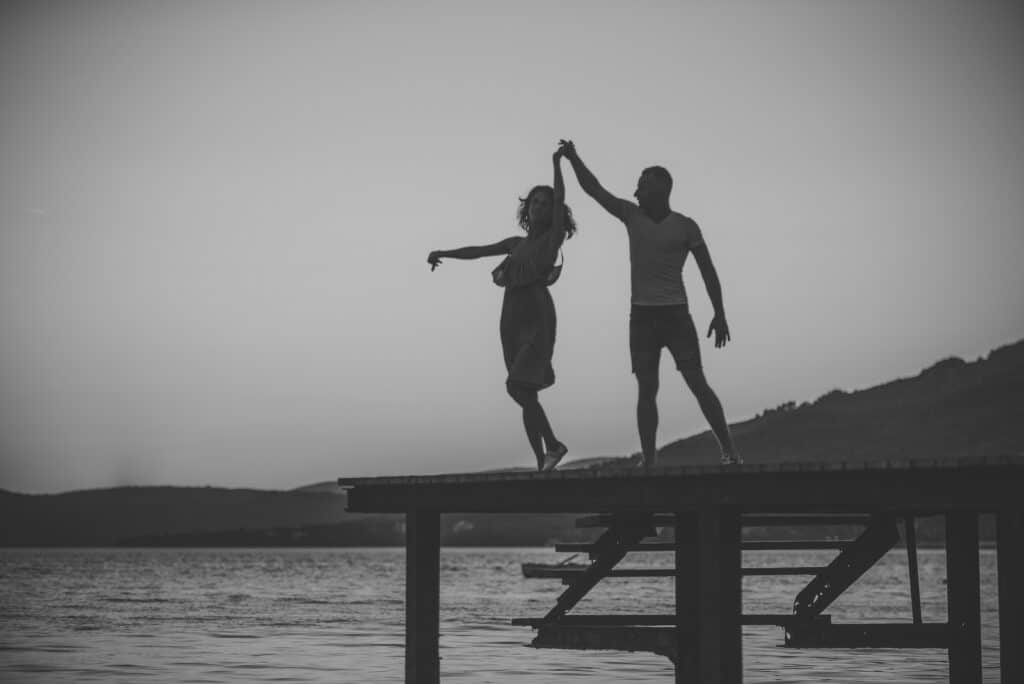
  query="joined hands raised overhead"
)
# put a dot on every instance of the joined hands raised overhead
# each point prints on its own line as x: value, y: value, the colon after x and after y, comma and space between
x: 567, y: 149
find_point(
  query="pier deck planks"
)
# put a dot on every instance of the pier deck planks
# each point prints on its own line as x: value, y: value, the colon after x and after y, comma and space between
x: 976, y: 484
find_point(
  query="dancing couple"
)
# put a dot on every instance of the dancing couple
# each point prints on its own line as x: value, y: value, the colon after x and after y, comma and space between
x: 659, y: 242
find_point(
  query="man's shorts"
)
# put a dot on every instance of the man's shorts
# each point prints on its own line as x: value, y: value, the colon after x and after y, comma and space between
x: 654, y: 327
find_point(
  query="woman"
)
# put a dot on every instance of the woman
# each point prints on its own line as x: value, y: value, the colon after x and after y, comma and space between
x: 527, y: 311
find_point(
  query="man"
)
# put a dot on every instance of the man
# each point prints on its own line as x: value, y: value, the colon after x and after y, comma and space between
x: 659, y: 241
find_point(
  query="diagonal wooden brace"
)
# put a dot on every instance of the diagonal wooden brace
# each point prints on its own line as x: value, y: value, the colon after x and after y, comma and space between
x: 610, y: 548
x: 856, y: 559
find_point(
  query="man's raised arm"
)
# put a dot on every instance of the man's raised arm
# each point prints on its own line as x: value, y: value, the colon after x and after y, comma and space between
x: 612, y: 204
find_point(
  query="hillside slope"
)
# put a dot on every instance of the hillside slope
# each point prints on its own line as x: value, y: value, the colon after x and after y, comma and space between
x: 953, y: 408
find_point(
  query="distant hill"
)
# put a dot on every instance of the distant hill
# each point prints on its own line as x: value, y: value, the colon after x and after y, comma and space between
x: 99, y: 517
x: 953, y: 408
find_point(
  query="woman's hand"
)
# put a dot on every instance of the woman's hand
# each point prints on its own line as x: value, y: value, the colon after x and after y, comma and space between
x: 434, y: 259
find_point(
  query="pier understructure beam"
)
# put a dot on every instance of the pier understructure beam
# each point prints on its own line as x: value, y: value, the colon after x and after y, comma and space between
x: 610, y: 548
x: 852, y: 562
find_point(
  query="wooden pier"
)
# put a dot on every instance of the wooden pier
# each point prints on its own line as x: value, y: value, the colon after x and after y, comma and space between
x: 709, y: 506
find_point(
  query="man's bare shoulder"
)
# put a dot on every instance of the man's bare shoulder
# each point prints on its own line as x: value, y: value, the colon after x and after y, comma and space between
x: 684, y: 218
x: 626, y: 209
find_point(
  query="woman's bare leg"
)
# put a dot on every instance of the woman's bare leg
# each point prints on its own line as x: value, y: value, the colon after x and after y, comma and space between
x: 534, y: 420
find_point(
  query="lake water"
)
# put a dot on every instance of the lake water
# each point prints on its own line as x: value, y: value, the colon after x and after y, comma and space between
x: 336, y: 615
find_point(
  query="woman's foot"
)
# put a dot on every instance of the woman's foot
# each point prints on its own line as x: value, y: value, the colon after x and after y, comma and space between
x: 553, y: 456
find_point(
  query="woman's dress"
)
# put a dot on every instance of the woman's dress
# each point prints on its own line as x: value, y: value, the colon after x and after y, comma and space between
x: 528, y: 312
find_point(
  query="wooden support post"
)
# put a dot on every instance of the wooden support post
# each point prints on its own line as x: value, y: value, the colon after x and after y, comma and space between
x: 1010, y: 554
x: 687, y: 591
x: 709, y: 601
x: 422, y: 596
x: 909, y: 526
x: 731, y: 607
x: 709, y: 598
x: 963, y: 595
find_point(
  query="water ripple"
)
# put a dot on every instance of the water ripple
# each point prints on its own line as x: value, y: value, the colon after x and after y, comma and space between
x: 328, y: 615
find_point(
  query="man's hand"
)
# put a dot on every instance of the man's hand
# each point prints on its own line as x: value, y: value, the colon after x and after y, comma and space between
x: 721, y: 330
x: 434, y: 259
x: 567, y: 149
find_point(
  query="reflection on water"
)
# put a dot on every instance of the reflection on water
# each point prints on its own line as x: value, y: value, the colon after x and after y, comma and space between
x: 336, y: 615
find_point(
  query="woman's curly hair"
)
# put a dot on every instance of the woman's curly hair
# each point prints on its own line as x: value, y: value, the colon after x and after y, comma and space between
x: 523, y: 214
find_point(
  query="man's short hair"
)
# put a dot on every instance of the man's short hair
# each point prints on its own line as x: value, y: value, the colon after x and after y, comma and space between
x: 661, y: 173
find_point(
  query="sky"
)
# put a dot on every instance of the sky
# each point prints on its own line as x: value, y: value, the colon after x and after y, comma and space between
x: 214, y: 220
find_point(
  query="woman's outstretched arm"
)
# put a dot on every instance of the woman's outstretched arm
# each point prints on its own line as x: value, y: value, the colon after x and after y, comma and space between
x: 558, y: 210
x: 497, y: 249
